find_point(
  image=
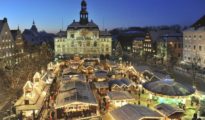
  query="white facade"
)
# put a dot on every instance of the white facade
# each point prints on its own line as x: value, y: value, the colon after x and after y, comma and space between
x: 194, y: 46
x: 33, y: 98
x: 83, y: 42
x: 84, y: 38
x: 120, y: 98
x: 6, y: 43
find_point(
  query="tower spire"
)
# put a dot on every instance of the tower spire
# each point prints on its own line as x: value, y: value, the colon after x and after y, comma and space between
x: 33, y: 27
x: 83, y: 13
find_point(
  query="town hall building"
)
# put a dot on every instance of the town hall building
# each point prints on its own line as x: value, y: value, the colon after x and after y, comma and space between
x: 84, y: 38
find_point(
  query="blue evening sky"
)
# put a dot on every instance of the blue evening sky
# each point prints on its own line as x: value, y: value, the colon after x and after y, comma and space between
x: 49, y: 14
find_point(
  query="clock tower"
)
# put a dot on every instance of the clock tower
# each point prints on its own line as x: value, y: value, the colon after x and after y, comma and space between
x: 84, y: 38
x: 83, y: 13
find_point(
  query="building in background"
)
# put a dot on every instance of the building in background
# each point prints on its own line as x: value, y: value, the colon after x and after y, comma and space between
x: 169, y: 48
x: 84, y: 38
x: 34, y: 96
x: 127, y: 36
x: 194, y: 44
x: 137, y: 45
x: 147, y: 45
x: 19, y: 45
x: 6, y: 44
x: 156, y: 35
x: 33, y: 37
x: 38, y: 43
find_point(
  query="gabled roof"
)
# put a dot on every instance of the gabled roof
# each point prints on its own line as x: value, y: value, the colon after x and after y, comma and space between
x: 37, y: 38
x: 135, y: 112
x: 74, y: 91
x: 168, y: 110
x: 101, y: 74
x: 142, y: 68
x: 168, y: 87
x: 37, y: 75
x: 121, y: 82
x: 119, y: 95
x: 28, y: 85
x: 14, y: 33
x: 74, y: 76
x: 101, y: 85
x: 35, y: 100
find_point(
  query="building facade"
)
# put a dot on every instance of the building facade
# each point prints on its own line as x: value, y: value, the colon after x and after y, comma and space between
x: 35, y: 93
x: 19, y: 45
x: 34, y: 37
x: 170, y: 47
x: 194, y: 46
x: 76, y: 101
x: 147, y: 45
x: 84, y: 38
x: 137, y: 45
x: 6, y: 44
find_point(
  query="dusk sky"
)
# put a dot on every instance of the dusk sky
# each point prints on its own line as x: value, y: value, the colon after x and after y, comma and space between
x: 49, y: 14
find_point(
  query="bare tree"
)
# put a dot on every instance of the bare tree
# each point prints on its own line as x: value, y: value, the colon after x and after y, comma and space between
x: 16, y: 75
